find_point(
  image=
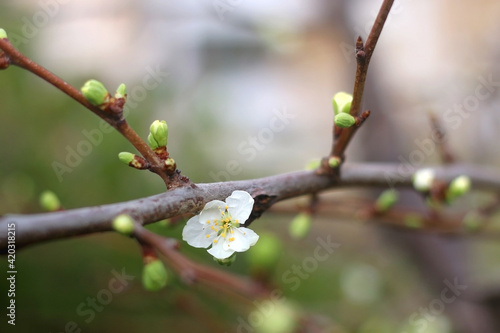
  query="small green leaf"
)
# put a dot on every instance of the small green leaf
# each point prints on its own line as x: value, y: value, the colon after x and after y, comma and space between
x: 458, y: 187
x: 333, y: 162
x: 126, y: 157
x: 386, y: 200
x: 344, y: 120
x: 341, y: 103
x: 300, y: 226
x: 121, y: 91
x: 124, y: 224
x: 49, y: 201
x: 159, y: 133
x: 95, y: 92
x: 154, y: 275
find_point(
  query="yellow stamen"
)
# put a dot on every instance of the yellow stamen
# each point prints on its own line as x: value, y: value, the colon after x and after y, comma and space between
x: 226, y: 207
x: 223, y: 235
x: 215, y: 241
x: 208, y: 235
x: 232, y: 231
x: 208, y: 221
x: 230, y: 239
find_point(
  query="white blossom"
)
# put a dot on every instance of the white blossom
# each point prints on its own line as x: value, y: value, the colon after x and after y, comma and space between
x: 218, y: 225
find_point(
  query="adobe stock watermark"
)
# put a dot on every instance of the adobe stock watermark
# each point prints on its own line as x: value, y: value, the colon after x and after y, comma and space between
x: 419, y: 320
x: 249, y: 148
x: 292, y: 278
x: 224, y: 6
x: 88, y: 309
x: 39, y: 20
x: 452, y: 119
x: 94, y: 137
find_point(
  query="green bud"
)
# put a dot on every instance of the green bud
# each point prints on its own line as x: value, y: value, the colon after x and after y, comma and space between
x: 334, y: 162
x: 300, y: 226
x: 124, y: 224
x: 133, y: 160
x: 386, y: 200
x: 3, y: 34
x: 413, y: 221
x: 121, y: 91
x: 170, y: 162
x: 154, y: 275
x: 341, y: 103
x: 282, y: 318
x: 472, y: 221
x: 313, y: 165
x: 158, y: 134
x: 95, y: 92
x: 423, y: 179
x: 227, y: 261
x: 126, y: 157
x: 152, y: 142
x: 266, y: 253
x: 344, y: 120
x: 458, y: 187
x: 49, y: 201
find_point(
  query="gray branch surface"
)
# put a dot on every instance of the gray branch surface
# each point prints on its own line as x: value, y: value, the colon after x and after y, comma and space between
x: 36, y: 228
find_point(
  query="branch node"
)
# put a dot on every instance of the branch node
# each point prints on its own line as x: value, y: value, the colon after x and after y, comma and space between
x: 360, y: 50
x: 361, y: 119
x: 4, y: 61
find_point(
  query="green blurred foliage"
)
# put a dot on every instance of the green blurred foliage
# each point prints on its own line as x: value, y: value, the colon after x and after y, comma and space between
x: 38, y: 124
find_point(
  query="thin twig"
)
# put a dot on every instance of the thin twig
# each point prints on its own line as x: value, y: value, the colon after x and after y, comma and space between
x: 439, y: 136
x: 116, y: 120
x: 192, y: 272
x: 363, y: 211
x: 363, y: 57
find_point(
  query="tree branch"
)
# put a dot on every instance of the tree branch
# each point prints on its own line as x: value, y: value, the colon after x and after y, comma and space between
x: 36, y: 228
x: 191, y: 272
x: 115, y: 119
x: 342, y: 136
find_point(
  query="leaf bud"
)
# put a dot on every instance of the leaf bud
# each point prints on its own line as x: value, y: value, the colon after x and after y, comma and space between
x: 49, y: 201
x: 341, y: 103
x: 344, y: 120
x: 124, y: 224
x: 154, y: 275
x: 95, y: 92
x: 158, y: 136
x: 300, y: 226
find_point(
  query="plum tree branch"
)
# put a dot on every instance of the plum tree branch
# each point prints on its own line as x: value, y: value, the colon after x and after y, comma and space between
x: 36, y: 228
x: 11, y: 55
x: 191, y: 272
x: 342, y: 136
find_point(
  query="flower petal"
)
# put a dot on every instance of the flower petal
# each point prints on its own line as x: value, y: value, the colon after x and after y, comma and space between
x: 240, y: 205
x: 243, y: 239
x: 218, y: 250
x: 211, y: 211
x: 195, y: 233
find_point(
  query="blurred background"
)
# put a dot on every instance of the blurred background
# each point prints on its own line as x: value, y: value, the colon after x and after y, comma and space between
x: 223, y: 73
